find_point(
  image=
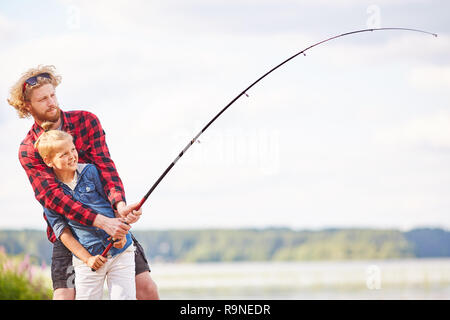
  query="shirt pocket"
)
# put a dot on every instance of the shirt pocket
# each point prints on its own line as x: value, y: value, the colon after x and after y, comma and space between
x: 87, y: 192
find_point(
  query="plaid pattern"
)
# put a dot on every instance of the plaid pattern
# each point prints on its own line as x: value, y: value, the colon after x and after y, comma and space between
x: 89, y: 139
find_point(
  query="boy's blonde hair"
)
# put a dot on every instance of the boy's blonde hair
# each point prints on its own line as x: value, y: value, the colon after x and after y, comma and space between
x: 48, y: 140
x: 18, y: 97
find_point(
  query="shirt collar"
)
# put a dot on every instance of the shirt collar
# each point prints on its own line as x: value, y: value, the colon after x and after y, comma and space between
x: 66, y: 125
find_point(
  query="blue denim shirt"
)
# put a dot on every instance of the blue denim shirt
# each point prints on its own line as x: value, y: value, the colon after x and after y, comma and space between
x: 89, y: 191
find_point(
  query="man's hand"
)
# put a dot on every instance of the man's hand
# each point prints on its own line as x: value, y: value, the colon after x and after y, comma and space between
x: 115, y: 227
x: 128, y: 212
x: 96, y: 262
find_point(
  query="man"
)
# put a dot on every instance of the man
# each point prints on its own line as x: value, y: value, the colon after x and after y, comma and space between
x: 34, y: 95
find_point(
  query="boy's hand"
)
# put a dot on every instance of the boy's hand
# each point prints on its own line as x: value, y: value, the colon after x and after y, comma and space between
x: 120, y: 243
x: 96, y: 262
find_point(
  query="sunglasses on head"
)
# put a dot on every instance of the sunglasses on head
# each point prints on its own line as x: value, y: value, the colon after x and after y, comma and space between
x: 34, y: 80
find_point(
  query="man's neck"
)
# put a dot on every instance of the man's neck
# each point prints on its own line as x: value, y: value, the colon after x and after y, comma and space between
x: 55, y: 125
x: 64, y: 175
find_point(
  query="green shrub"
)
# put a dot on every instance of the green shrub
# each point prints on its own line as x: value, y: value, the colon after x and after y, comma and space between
x: 20, y: 280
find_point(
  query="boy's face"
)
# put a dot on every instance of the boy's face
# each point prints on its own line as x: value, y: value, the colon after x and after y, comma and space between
x: 65, y: 157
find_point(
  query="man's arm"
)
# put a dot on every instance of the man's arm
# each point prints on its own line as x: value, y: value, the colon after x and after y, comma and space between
x: 112, y: 184
x: 123, y: 210
x: 48, y: 191
x: 100, y: 156
x: 51, y: 195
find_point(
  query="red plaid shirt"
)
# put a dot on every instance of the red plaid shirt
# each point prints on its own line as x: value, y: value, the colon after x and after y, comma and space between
x: 89, y: 139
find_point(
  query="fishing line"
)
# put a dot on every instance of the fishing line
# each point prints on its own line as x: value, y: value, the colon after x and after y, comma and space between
x: 244, y: 92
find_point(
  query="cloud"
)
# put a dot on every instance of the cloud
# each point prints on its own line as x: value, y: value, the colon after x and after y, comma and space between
x: 229, y: 17
x: 430, y: 77
x: 397, y: 47
x: 20, y: 207
x: 156, y: 72
x: 431, y: 130
x: 7, y: 29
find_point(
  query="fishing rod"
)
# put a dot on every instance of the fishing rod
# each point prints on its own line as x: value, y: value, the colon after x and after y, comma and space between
x: 244, y: 92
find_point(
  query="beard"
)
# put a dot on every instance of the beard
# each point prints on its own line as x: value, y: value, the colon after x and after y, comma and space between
x: 49, y: 115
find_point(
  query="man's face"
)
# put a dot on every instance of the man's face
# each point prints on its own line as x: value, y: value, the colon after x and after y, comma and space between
x: 43, y: 104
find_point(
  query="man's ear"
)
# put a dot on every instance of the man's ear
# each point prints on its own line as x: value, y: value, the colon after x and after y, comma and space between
x: 28, y: 106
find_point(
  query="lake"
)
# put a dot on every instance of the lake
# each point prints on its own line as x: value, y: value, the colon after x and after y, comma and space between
x: 380, y: 279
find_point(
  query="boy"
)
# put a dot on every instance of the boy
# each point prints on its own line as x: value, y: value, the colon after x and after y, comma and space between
x: 82, y: 182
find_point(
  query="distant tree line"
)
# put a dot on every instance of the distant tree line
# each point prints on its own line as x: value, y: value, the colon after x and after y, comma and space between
x: 272, y: 244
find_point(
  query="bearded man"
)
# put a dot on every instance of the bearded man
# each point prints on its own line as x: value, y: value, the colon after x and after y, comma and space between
x: 34, y: 95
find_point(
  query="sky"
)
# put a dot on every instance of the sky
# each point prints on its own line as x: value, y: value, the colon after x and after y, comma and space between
x: 356, y: 134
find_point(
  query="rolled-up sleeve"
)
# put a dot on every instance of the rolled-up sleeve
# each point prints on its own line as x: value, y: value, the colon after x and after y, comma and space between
x: 56, y: 221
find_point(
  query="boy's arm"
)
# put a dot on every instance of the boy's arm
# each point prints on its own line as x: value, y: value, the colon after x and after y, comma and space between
x: 56, y: 221
x: 67, y: 238
x: 50, y: 195
x: 62, y: 232
x: 74, y: 246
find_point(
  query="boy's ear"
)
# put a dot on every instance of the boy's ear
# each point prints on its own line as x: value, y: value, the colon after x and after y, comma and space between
x: 48, y: 162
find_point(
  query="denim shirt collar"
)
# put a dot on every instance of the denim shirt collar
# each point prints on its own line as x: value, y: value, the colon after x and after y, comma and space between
x: 81, y: 169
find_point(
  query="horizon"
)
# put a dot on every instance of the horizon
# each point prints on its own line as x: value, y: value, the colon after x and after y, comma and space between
x: 264, y: 228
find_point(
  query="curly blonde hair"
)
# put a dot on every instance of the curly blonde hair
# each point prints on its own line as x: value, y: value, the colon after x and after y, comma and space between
x: 18, y: 97
x: 48, y: 141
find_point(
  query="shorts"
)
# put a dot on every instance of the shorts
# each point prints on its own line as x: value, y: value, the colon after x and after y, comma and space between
x: 63, y: 272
